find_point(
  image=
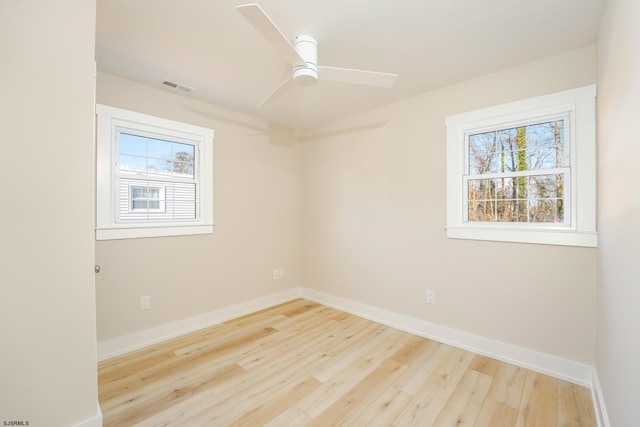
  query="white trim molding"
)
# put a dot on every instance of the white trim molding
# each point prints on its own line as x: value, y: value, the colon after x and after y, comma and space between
x: 94, y: 421
x: 598, y: 401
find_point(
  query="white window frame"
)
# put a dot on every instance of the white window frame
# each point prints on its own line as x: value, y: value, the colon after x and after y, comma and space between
x: 109, y: 120
x: 579, y: 227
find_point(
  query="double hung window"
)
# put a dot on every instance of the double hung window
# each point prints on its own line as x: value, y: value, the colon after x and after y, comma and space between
x: 525, y: 171
x: 154, y: 176
x: 518, y: 174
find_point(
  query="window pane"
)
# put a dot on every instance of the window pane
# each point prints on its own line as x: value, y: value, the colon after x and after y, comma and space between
x: 532, y: 147
x: 139, y: 154
x: 154, y: 193
x: 159, y: 167
x: 188, y: 149
x: 183, y: 160
x: 132, y: 164
x: 183, y: 169
x: 138, y: 192
x: 133, y: 144
x: 482, y: 153
x: 159, y: 149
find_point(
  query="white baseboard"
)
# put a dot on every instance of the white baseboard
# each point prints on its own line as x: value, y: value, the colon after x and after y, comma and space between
x: 95, y: 421
x: 137, y: 340
x: 598, y: 401
x: 557, y: 367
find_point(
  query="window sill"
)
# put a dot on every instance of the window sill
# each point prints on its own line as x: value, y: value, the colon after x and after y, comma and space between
x: 543, y: 237
x: 141, y: 232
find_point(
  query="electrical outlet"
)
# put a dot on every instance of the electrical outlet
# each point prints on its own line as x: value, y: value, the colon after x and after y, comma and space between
x: 145, y: 302
x: 431, y: 297
x: 276, y: 273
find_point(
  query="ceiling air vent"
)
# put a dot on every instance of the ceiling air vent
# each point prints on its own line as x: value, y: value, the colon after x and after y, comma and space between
x: 171, y: 84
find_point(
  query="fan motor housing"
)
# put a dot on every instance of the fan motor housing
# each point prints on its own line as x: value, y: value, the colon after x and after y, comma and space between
x: 307, y: 48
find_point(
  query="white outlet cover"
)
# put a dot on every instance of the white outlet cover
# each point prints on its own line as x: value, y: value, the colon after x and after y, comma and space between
x: 145, y: 302
x: 431, y: 297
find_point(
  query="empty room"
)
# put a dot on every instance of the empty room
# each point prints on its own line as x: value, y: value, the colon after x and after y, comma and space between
x: 297, y: 213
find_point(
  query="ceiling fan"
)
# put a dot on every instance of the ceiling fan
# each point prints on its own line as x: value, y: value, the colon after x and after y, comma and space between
x: 303, y: 56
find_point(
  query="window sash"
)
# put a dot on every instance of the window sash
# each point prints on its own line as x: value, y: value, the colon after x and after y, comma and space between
x: 176, y: 209
x: 566, y: 198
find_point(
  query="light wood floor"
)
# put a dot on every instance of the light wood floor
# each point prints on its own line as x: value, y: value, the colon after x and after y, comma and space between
x: 303, y: 364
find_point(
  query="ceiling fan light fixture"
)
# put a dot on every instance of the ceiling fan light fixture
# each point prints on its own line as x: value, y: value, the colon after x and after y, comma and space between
x: 307, y: 48
x: 305, y: 76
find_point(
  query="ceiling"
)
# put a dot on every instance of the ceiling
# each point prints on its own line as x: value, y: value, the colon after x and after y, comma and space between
x: 208, y: 46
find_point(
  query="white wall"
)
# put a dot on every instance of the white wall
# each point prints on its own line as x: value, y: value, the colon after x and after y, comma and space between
x: 618, y: 332
x: 374, y: 206
x: 47, y: 331
x: 256, y: 191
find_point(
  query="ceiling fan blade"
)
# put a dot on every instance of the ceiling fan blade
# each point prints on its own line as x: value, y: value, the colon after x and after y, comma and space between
x: 286, y: 86
x: 361, y: 77
x: 265, y: 26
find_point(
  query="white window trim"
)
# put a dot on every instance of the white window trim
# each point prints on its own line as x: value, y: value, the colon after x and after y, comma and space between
x: 110, y: 118
x: 579, y: 104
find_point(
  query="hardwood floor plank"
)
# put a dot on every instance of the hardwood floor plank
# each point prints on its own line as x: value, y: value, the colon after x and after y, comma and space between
x: 302, y: 364
x: 426, y: 405
x: 538, y: 407
x: 277, y: 403
x: 297, y: 322
x: 508, y: 385
x: 267, y: 312
x: 303, y: 357
x: 340, y: 361
x: 423, y: 368
x: 485, y: 365
x: 180, y: 411
x: 575, y: 407
x: 412, y: 350
x: 292, y: 417
x: 249, y: 398
x: 146, y: 401
x: 290, y: 367
x: 350, y: 375
x: 496, y: 414
x: 216, y: 341
x: 213, y: 358
x: 384, y: 409
x: 300, y: 309
x: 465, y: 403
x: 347, y: 408
x: 276, y: 344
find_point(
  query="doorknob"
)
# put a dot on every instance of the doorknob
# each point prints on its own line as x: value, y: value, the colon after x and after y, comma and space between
x: 97, y: 268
